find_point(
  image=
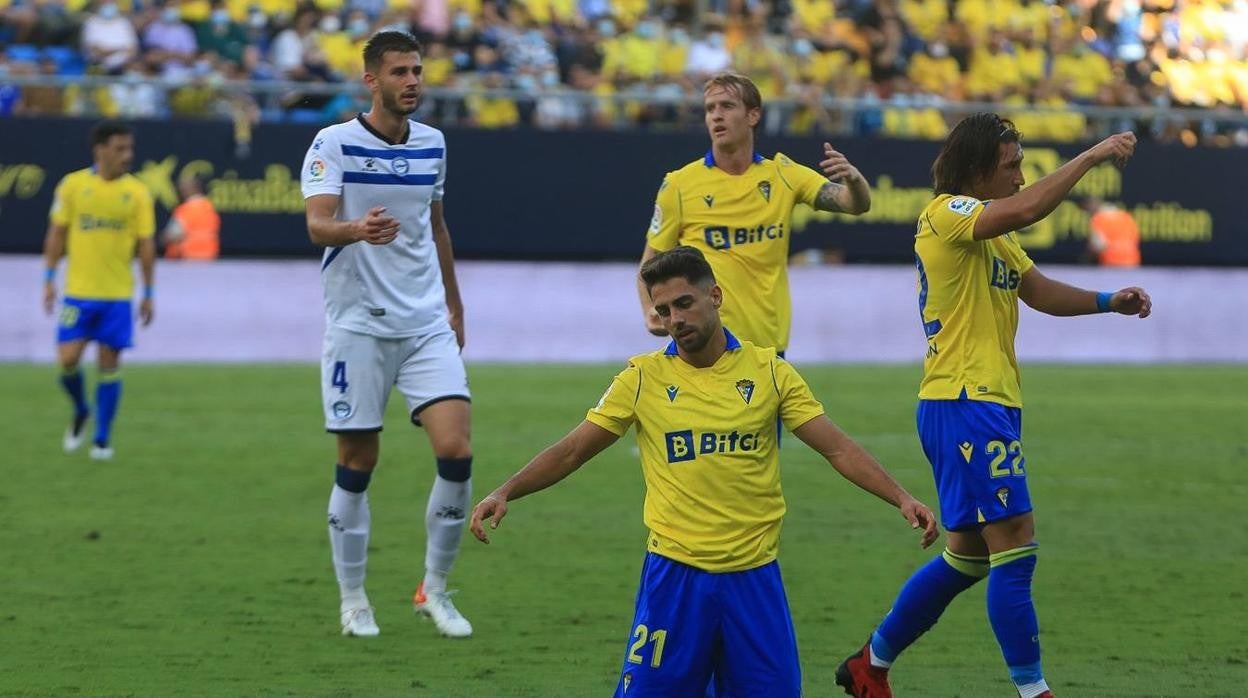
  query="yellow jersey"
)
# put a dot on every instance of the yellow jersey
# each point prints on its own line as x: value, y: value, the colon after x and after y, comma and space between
x: 709, y: 456
x: 742, y: 223
x: 105, y: 219
x: 968, y: 301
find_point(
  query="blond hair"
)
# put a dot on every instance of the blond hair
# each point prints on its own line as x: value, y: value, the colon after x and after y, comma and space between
x: 738, y: 84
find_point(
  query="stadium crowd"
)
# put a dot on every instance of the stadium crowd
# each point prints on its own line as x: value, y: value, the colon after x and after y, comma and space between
x: 516, y: 62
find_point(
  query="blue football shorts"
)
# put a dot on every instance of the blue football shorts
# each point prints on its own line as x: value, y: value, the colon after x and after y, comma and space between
x: 976, y: 452
x: 110, y: 323
x: 691, y: 624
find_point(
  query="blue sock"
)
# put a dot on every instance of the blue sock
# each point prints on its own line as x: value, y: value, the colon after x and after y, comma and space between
x: 922, y: 599
x: 352, y: 480
x: 1012, y: 613
x: 107, y: 395
x: 72, y: 382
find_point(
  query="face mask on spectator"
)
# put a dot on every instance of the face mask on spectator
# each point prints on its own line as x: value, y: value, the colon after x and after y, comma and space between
x: 220, y: 17
x: 526, y: 82
x: 462, y: 22
x: 170, y: 14
x: 535, y: 36
x: 550, y: 78
x: 357, y: 27
x: 647, y: 30
x: 109, y: 10
x: 331, y: 24
x: 679, y: 36
x: 257, y: 20
x: 606, y: 27
x: 939, y: 50
x: 715, y: 40
x: 803, y: 47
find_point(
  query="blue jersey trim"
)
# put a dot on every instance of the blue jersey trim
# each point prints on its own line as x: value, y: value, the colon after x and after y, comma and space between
x: 733, y: 343
x: 388, y: 178
x: 709, y: 160
x: 333, y: 252
x: 386, y: 154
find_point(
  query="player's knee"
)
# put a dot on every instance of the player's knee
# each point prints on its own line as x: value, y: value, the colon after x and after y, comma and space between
x: 455, y: 469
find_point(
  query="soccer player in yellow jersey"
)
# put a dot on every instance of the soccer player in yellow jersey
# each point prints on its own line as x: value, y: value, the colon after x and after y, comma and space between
x: 972, y: 273
x: 100, y: 217
x: 737, y: 207
x: 705, y: 409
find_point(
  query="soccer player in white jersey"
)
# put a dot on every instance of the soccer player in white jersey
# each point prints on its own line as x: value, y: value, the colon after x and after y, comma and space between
x: 373, y: 193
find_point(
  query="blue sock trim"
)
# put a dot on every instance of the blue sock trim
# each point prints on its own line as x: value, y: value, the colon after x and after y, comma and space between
x: 881, y: 649
x: 455, y: 469
x: 352, y: 480
x: 1023, y: 675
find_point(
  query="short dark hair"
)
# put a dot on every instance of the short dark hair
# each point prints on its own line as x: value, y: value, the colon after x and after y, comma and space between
x: 682, y: 261
x: 381, y: 42
x: 106, y: 130
x: 971, y: 152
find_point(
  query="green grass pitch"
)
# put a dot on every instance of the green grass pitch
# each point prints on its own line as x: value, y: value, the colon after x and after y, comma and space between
x: 196, y: 563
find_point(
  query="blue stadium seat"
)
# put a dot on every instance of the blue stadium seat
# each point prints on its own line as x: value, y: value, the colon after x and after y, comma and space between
x: 305, y: 116
x: 23, y: 53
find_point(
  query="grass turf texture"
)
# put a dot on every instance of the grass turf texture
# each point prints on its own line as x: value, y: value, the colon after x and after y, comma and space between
x: 196, y: 563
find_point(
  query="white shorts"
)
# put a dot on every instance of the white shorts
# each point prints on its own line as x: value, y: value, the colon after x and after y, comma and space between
x: 358, y: 370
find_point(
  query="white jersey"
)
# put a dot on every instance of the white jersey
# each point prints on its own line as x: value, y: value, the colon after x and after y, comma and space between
x: 392, y: 290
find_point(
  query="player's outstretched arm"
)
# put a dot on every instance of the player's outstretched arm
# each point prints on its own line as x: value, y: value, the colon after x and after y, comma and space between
x: 847, y: 191
x: 53, y: 250
x: 1037, y: 201
x: 856, y: 465
x: 1053, y: 297
x: 548, y: 467
x: 324, y: 228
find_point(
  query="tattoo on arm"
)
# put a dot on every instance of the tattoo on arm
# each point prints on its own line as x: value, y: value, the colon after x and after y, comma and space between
x: 830, y: 196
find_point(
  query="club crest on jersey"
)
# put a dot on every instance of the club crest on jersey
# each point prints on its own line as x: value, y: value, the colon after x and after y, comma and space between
x: 1003, y: 493
x: 745, y: 387
x: 764, y: 188
x: 671, y: 393
x: 709, y: 199
x: 400, y: 166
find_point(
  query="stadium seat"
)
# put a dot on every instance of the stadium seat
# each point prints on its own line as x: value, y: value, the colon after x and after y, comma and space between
x: 23, y: 53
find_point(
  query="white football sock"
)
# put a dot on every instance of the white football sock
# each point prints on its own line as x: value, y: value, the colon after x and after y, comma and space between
x: 1031, y: 690
x: 444, y: 526
x: 349, y: 523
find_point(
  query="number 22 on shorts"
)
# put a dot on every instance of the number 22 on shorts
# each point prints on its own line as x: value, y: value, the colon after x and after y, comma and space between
x: 656, y: 638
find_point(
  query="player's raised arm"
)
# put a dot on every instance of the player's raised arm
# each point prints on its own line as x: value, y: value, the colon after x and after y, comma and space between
x: 1053, y: 297
x: 548, y: 467
x: 847, y: 190
x: 1032, y: 204
x: 856, y: 465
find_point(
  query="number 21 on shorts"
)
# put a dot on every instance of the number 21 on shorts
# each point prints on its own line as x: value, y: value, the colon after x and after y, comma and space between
x: 656, y: 638
x: 339, y: 378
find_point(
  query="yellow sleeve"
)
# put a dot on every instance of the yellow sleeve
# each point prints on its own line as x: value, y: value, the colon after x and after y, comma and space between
x: 664, y: 231
x: 953, y: 220
x: 797, y: 404
x: 617, y: 410
x: 145, y: 216
x: 1018, y: 257
x: 804, y: 182
x: 62, y: 199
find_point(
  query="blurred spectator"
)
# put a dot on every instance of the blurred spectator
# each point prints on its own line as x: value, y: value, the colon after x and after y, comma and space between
x: 108, y: 39
x: 292, y: 45
x: 168, y: 42
x: 1113, y: 236
x: 221, y: 36
x: 194, y: 228
x: 38, y: 100
x: 708, y: 55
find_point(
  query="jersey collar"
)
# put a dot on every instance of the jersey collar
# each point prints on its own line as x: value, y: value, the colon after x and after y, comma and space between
x: 733, y: 343
x: 407, y: 131
x: 709, y: 160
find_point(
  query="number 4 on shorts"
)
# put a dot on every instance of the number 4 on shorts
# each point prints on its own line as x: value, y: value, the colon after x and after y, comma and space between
x: 339, y: 379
